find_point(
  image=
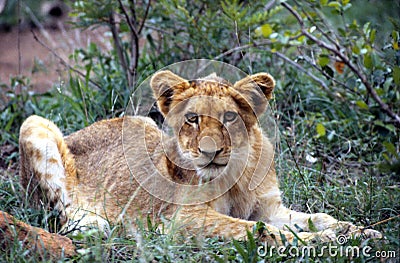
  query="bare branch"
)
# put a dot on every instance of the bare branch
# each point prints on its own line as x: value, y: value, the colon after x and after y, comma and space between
x: 146, y: 13
x: 323, y: 32
x: 65, y: 63
x: 240, y: 48
x: 118, y: 47
x: 128, y: 19
x: 299, y: 67
x: 347, y: 62
x: 269, y: 5
x: 134, y: 40
x: 278, y: 54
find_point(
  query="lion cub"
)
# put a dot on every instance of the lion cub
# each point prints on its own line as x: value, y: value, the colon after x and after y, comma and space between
x: 214, y: 176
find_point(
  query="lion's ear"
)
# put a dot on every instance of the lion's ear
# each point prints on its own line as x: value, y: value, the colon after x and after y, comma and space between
x: 256, y: 90
x: 165, y: 84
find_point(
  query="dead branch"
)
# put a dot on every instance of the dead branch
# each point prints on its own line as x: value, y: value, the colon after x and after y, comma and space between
x: 37, y: 240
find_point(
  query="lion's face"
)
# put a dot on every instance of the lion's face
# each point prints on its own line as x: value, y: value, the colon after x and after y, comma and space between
x: 212, y: 119
x: 210, y: 129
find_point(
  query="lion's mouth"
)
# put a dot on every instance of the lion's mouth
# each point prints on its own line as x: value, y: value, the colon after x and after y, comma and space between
x: 217, y: 163
x: 214, y: 165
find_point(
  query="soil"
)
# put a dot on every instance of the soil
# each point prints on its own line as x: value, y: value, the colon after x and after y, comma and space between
x: 22, y: 55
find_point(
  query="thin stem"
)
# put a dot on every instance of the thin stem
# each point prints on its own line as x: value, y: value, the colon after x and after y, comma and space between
x: 65, y: 63
x: 118, y: 47
x: 298, y: 66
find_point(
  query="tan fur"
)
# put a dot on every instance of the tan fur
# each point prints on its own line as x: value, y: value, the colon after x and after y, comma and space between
x: 93, y: 176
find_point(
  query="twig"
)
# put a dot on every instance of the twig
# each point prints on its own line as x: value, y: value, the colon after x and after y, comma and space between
x: 128, y: 19
x: 346, y: 61
x: 269, y: 5
x: 240, y: 48
x: 146, y: 13
x: 278, y: 54
x: 118, y: 46
x: 383, y: 221
x: 158, y: 29
x: 19, y: 36
x: 134, y: 39
x: 323, y: 32
x: 236, y: 60
x: 296, y: 65
x: 65, y: 63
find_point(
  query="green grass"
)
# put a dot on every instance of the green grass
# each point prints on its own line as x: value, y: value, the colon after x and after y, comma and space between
x: 355, y: 195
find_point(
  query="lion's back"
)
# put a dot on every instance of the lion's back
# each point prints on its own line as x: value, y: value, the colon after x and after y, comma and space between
x: 100, y: 160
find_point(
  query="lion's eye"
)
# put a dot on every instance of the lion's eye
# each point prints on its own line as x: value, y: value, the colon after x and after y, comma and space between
x: 230, y: 116
x: 192, y: 117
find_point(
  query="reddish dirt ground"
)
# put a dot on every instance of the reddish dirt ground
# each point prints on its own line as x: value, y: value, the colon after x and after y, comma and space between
x: 37, y: 62
x: 31, y: 59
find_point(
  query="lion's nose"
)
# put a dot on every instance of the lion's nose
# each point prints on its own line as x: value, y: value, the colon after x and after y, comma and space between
x: 209, y: 147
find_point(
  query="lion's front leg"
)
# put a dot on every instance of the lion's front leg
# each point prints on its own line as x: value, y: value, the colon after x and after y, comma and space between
x: 319, y: 222
x: 283, y: 217
x: 203, y: 220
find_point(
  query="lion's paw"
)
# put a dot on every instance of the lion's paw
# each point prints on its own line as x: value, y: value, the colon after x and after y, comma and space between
x: 348, y: 229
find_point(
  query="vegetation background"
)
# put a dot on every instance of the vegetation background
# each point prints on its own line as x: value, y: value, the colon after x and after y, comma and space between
x: 337, y: 104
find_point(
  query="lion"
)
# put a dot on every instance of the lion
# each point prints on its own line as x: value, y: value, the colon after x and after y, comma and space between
x: 214, y: 176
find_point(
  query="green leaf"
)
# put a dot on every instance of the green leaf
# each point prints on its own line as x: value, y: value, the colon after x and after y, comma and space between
x: 295, y: 234
x: 321, y: 131
x: 311, y: 225
x: 328, y: 70
x: 391, y: 149
x: 396, y: 75
x: 368, y: 61
x: 323, y: 60
x: 389, y: 127
x: 395, y: 36
x: 345, y: 7
x: 372, y: 35
x: 323, y: 2
x: 250, y: 241
x: 362, y: 105
x: 335, y: 4
x: 240, y: 249
x: 356, y: 50
x: 264, y: 30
